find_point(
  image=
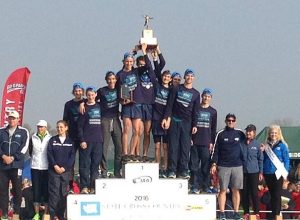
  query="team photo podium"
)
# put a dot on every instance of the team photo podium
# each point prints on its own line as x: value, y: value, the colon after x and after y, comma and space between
x: 141, y: 195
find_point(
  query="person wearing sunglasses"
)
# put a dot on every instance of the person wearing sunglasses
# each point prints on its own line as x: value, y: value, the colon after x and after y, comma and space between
x: 227, y: 160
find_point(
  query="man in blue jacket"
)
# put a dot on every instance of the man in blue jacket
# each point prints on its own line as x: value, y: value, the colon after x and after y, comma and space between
x: 13, y: 146
x: 228, y: 157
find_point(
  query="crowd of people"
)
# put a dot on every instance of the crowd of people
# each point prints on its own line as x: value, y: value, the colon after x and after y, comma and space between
x: 184, y: 130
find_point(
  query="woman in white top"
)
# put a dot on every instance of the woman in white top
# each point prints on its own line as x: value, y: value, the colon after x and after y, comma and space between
x: 39, y: 167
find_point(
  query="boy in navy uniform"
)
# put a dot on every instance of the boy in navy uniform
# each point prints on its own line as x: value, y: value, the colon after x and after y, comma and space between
x: 160, y: 135
x: 109, y: 103
x: 91, y: 142
x: 71, y: 115
x: 203, y: 142
x: 182, y: 105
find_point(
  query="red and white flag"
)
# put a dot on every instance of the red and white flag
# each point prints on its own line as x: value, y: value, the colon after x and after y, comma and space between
x: 14, y: 93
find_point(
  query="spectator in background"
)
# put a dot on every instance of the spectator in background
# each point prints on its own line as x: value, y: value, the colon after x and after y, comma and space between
x: 252, y: 167
x: 287, y: 201
x: 262, y: 189
x: 296, y: 198
x: 39, y: 168
x: 276, y: 166
x: 14, y: 141
x: 297, y: 173
x: 27, y: 209
x: 61, y: 156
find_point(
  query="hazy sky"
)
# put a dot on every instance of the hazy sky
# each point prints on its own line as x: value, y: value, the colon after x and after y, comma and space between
x: 246, y: 51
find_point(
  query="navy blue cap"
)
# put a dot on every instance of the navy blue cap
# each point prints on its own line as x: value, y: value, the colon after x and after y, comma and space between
x: 250, y: 127
x: 230, y: 115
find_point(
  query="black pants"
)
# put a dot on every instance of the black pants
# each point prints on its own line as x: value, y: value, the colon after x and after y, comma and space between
x: 179, y: 145
x: 199, y: 165
x: 16, y: 180
x: 89, y: 161
x: 250, y: 191
x: 40, y: 186
x: 275, y: 186
x: 58, y: 189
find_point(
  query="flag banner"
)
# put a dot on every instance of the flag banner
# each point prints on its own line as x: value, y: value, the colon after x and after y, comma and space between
x: 14, y: 93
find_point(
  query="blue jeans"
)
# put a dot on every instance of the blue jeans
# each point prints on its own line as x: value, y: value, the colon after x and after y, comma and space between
x: 89, y: 161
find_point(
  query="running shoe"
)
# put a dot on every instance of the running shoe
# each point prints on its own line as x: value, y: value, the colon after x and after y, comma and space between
x: 85, y: 190
x: 236, y: 216
x: 222, y: 216
x: 172, y: 175
x: 184, y: 175
x: 36, y: 216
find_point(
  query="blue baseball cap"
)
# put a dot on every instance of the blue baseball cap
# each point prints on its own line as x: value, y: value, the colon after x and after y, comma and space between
x: 90, y: 88
x: 189, y: 71
x: 207, y: 91
x: 128, y: 54
x: 77, y: 85
x: 175, y: 74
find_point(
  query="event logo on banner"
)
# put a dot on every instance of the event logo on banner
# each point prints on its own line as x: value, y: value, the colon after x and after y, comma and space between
x: 14, y: 93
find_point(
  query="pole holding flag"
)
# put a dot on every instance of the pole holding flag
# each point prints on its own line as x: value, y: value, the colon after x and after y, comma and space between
x: 14, y: 92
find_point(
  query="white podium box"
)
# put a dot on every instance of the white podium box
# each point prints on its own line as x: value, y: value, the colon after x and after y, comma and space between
x: 141, y: 195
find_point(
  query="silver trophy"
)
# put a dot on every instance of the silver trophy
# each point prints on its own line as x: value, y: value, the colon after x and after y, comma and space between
x: 126, y: 94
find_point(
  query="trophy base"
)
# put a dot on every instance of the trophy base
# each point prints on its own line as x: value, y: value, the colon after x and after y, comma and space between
x: 149, y: 46
x: 148, y: 41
